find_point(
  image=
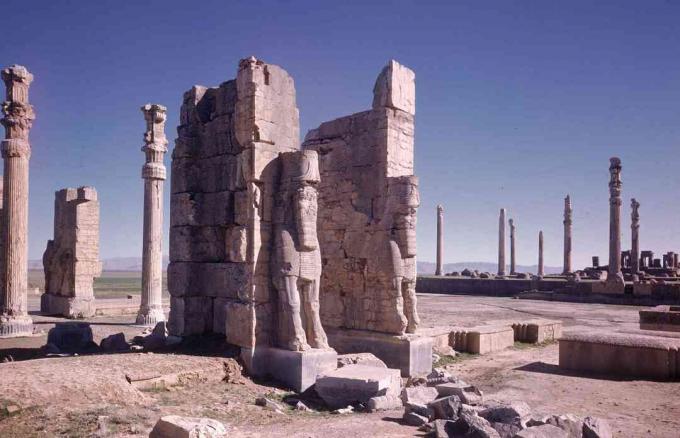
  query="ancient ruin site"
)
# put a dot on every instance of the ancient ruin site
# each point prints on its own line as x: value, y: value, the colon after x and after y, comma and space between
x: 296, y: 257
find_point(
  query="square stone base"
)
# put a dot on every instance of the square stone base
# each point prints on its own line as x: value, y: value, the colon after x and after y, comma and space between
x: 70, y: 307
x: 15, y: 326
x: 483, y: 339
x: 298, y: 370
x: 411, y: 354
x: 537, y: 331
x: 613, y: 285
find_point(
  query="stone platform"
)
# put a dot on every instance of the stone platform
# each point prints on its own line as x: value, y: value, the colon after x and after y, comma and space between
x: 412, y: 354
x: 298, y: 370
x: 621, y: 355
x: 666, y: 318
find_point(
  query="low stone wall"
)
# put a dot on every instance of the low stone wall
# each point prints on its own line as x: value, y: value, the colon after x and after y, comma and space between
x: 621, y: 355
x: 665, y: 318
x: 483, y: 286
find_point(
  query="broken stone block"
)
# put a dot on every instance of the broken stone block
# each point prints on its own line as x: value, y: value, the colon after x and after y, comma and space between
x: 357, y: 384
x: 596, y: 428
x: 445, y: 408
x: 468, y: 394
x: 175, y: 426
x: 483, y: 339
x: 71, y: 337
x: 115, y: 342
x: 544, y: 431
x: 569, y: 423
x: 537, y: 331
x: 469, y: 424
x: 419, y: 394
x: 384, y: 403
x: 413, y: 419
x: 360, y: 359
x: 395, y: 88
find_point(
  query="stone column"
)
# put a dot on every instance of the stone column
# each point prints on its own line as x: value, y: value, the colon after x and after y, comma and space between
x: 501, y: 243
x: 567, y: 235
x: 153, y: 173
x: 512, y: 247
x: 440, y: 240
x: 614, y: 220
x: 540, y: 254
x: 635, y: 237
x: 16, y: 151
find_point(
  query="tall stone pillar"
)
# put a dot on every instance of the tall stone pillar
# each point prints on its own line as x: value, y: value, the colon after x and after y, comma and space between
x: 635, y: 237
x: 567, y: 235
x: 501, y: 243
x: 614, y: 217
x: 440, y: 240
x: 512, y: 247
x: 153, y: 173
x: 540, y: 272
x: 16, y: 151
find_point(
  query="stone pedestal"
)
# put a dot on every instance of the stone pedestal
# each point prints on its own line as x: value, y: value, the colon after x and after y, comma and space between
x: 70, y: 307
x: 411, y: 353
x: 298, y: 370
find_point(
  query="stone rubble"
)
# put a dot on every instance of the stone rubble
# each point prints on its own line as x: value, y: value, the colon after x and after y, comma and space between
x: 175, y: 426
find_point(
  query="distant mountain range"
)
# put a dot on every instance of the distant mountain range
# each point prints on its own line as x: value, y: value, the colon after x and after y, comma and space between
x: 135, y: 264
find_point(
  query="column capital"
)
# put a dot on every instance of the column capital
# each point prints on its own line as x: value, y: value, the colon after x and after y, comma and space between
x: 154, y: 136
x: 153, y: 171
x: 18, y: 112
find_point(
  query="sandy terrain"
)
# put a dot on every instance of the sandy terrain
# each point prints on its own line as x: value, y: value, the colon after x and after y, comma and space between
x: 89, y: 395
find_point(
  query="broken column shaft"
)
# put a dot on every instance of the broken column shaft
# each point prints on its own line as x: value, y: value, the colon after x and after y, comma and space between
x: 614, y: 218
x: 153, y: 173
x: 16, y: 152
x: 512, y: 247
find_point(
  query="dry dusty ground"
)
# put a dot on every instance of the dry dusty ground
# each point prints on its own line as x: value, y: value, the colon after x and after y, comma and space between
x: 89, y: 395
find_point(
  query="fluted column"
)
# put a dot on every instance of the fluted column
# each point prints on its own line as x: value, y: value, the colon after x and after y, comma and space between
x: 540, y: 254
x: 16, y: 151
x: 512, y: 247
x: 440, y: 240
x: 614, y: 218
x: 567, y: 235
x: 501, y: 243
x: 635, y: 237
x: 153, y: 173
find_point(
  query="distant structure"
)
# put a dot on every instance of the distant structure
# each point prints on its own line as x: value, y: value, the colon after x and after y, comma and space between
x: 440, y: 240
x: 567, y: 235
x: 512, y: 247
x: 16, y: 152
x: 501, y: 243
x: 540, y: 272
x: 71, y: 259
x: 153, y: 173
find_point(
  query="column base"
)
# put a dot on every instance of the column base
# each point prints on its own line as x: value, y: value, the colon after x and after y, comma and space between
x: 70, y: 307
x: 410, y: 353
x: 298, y: 370
x: 612, y: 285
x: 15, y: 326
x: 150, y: 316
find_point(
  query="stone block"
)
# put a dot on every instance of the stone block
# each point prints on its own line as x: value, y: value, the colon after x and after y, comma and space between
x: 468, y: 394
x: 198, y: 244
x: 71, y: 336
x: 412, y: 354
x: 483, y: 339
x: 175, y: 426
x: 223, y: 280
x: 621, y: 355
x: 297, y: 370
x: 395, y: 88
x: 69, y: 307
x: 419, y: 395
x: 543, y: 431
x: 665, y: 318
x: 537, y: 331
x: 360, y: 359
x: 357, y: 384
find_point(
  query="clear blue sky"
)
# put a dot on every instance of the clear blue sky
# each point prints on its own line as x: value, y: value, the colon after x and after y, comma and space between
x: 518, y: 103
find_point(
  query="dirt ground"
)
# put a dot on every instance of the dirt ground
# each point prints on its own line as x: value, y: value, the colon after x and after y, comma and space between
x: 90, y: 396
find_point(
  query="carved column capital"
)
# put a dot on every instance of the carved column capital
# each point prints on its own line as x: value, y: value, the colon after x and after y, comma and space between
x: 155, y: 142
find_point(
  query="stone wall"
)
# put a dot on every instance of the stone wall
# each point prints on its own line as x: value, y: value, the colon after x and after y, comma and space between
x: 71, y: 259
x: 367, y: 201
x: 224, y: 176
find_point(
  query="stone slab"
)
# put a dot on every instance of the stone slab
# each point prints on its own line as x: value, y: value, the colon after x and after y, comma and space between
x: 298, y: 370
x: 482, y: 339
x: 537, y: 331
x: 412, y: 354
x: 665, y: 318
x: 357, y: 384
x: 621, y: 355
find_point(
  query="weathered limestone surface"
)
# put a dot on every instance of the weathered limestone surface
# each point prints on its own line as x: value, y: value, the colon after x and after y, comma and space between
x: 357, y: 384
x: 153, y: 173
x: 483, y: 339
x: 537, y: 331
x: 501, y: 243
x: 16, y: 152
x: 568, y: 211
x: 635, y: 236
x: 367, y: 211
x: 440, y: 240
x: 71, y: 259
x: 225, y: 177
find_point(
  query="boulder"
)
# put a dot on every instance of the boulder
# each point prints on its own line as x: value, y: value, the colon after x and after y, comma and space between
x: 419, y: 409
x: 569, y: 423
x: 115, y: 342
x: 506, y: 412
x: 596, y: 428
x: 357, y: 384
x: 468, y: 394
x: 360, y: 359
x: 507, y: 430
x: 472, y: 425
x: 445, y: 408
x: 543, y: 431
x: 157, y: 338
x: 175, y: 426
x: 419, y: 394
x: 72, y: 337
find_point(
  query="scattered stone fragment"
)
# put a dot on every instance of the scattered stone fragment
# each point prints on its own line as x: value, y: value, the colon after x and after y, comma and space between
x: 445, y: 408
x: 569, y: 423
x: 505, y: 412
x: 12, y: 409
x: 357, y: 384
x: 507, y: 430
x: 596, y: 428
x: 472, y: 425
x: 233, y: 373
x: 347, y: 410
x: 268, y: 404
x: 543, y: 431
x: 299, y: 406
x: 72, y: 337
x: 384, y: 403
x: 419, y: 394
x: 175, y: 426
x: 360, y: 359
x: 115, y: 342
x: 468, y: 394
x: 413, y: 419
x: 136, y: 348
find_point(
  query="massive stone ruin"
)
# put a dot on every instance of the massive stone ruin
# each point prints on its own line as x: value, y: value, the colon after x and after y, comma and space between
x: 71, y: 259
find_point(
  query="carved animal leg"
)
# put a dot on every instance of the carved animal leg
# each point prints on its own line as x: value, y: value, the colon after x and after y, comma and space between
x: 399, y: 320
x: 310, y: 297
x: 408, y: 288
x: 289, y: 315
